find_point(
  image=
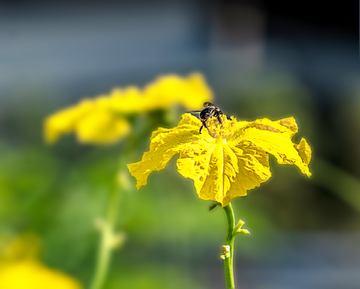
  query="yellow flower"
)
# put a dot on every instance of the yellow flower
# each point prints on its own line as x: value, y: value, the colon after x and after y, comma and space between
x: 190, y: 92
x: 103, y: 120
x: 92, y: 120
x: 15, y: 248
x: 101, y: 127
x: 30, y: 274
x: 226, y: 161
x: 19, y: 268
x: 65, y: 120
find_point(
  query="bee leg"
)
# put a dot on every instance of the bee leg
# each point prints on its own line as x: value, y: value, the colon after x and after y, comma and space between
x: 201, y: 129
x: 204, y: 125
x: 219, y: 119
x: 210, y: 133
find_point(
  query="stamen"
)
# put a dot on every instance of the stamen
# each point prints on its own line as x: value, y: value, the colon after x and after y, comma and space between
x: 223, y: 129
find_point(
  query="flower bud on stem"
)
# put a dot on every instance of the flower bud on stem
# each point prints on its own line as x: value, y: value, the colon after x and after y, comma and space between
x: 228, y: 248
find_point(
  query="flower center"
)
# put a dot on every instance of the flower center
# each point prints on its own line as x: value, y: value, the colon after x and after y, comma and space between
x: 221, y: 131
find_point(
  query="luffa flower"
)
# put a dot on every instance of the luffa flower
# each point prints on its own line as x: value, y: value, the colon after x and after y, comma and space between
x: 20, y: 267
x: 104, y: 119
x: 31, y: 274
x: 226, y: 160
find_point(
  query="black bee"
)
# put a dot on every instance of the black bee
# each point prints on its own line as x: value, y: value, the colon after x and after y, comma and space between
x: 210, y: 110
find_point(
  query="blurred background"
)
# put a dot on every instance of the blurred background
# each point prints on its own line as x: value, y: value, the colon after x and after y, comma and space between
x: 262, y: 60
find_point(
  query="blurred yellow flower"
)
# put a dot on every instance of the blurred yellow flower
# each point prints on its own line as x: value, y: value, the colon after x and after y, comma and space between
x: 190, y: 92
x: 229, y: 159
x: 101, y: 127
x: 65, y: 121
x: 30, y: 274
x: 19, y: 268
x: 103, y: 120
x: 14, y: 248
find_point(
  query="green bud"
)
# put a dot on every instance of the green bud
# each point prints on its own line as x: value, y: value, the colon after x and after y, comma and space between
x: 238, y: 229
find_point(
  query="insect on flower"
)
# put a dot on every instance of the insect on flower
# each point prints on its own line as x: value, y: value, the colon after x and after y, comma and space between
x: 210, y: 110
x: 229, y: 161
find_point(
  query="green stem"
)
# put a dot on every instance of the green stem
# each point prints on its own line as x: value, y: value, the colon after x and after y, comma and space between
x: 107, y: 238
x: 228, y: 262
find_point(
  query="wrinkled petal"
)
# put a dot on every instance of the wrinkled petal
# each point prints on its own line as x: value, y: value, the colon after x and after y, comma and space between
x: 222, y: 172
x: 164, y: 144
x: 274, y: 137
x: 212, y: 166
x: 254, y: 169
x: 304, y: 151
x: 290, y: 124
x: 194, y: 163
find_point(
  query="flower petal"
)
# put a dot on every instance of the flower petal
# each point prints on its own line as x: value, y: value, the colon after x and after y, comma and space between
x: 101, y: 127
x: 65, y: 120
x: 194, y: 163
x: 212, y: 166
x: 222, y: 173
x: 191, y: 91
x: 253, y: 163
x: 31, y: 274
x: 304, y: 151
x: 274, y: 137
x: 164, y: 144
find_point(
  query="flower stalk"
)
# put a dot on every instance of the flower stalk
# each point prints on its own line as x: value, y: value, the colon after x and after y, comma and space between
x: 108, y: 239
x: 228, y: 248
x: 230, y: 237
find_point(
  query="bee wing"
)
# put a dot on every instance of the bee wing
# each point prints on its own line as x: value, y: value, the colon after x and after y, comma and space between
x: 194, y: 111
x: 206, y: 104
